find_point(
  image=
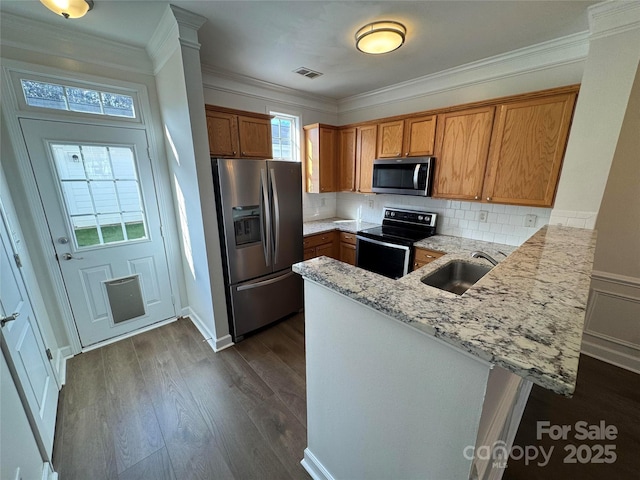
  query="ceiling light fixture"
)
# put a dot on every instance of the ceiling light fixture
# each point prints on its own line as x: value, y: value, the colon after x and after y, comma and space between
x: 69, y: 8
x: 380, y: 37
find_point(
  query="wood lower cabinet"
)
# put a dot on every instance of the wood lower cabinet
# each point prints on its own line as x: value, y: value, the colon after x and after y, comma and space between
x: 321, y: 244
x: 321, y: 158
x: 462, y: 150
x: 423, y: 256
x: 348, y: 248
x: 527, y: 149
x: 238, y: 134
x: 366, y: 139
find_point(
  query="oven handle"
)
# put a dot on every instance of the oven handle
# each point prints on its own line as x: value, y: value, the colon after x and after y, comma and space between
x: 384, y: 244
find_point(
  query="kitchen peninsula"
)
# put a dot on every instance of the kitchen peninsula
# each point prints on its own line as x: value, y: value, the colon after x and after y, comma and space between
x: 398, y: 372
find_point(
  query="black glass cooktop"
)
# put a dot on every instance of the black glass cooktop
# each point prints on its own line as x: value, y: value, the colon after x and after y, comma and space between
x: 392, y: 234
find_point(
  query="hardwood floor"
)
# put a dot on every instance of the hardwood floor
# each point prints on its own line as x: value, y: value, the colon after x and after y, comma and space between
x: 162, y: 405
x: 603, y: 393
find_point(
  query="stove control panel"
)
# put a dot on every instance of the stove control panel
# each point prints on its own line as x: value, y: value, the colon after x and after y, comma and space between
x: 414, y: 217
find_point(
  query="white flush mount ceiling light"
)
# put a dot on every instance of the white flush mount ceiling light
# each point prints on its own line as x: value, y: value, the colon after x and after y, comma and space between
x: 69, y: 8
x: 380, y: 37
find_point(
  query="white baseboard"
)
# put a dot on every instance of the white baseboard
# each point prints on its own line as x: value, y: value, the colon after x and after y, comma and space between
x: 216, y: 344
x: 62, y: 355
x: 612, y: 353
x: 313, y: 466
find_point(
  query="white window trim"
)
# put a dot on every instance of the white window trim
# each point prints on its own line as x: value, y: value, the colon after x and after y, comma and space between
x: 296, y: 147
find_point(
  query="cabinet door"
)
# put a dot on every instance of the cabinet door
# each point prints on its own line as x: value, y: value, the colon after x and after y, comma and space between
x: 462, y: 149
x: 347, y: 160
x: 347, y: 253
x: 328, y: 159
x: 365, y: 155
x: 309, y: 253
x: 223, y: 134
x: 327, y: 249
x: 419, y: 136
x: 527, y: 149
x: 255, y: 137
x: 390, y: 137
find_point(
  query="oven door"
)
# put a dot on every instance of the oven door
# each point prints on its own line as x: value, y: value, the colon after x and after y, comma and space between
x: 388, y: 259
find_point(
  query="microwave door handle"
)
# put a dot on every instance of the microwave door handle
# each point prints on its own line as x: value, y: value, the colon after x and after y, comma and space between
x: 416, y: 173
x: 266, y: 216
x: 276, y: 214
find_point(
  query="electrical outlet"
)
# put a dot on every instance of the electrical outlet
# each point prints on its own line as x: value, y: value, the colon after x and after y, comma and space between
x: 323, y: 202
x: 370, y: 203
x: 530, y: 220
x: 482, y: 216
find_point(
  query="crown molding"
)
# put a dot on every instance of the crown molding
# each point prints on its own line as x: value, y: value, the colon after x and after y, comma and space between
x: 562, y: 51
x: 35, y: 36
x: 163, y: 42
x: 613, y: 17
x: 228, y: 82
x: 188, y: 25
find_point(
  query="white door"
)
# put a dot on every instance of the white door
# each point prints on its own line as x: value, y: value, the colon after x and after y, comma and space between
x: 97, y: 188
x: 24, y: 348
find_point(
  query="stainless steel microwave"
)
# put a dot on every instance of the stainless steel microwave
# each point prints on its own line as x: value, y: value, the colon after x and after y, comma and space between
x: 403, y: 176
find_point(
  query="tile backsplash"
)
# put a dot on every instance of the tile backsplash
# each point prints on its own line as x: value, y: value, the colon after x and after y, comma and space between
x: 504, y: 223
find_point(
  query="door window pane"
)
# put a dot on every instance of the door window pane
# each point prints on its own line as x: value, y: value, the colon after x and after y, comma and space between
x: 101, y: 192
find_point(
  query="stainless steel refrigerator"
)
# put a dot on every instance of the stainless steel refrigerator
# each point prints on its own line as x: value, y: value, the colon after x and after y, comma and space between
x: 259, y: 208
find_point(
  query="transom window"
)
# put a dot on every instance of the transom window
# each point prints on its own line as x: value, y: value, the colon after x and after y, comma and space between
x: 284, y: 137
x: 75, y: 99
x: 101, y: 193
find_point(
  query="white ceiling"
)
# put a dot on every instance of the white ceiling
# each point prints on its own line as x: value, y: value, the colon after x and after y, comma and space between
x: 267, y: 40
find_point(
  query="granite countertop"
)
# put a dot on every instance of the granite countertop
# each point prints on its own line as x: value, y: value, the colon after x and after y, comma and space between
x: 526, y: 315
x: 328, y: 224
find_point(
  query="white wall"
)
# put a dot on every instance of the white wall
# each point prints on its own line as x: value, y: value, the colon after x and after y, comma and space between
x: 612, y: 329
x: 179, y: 83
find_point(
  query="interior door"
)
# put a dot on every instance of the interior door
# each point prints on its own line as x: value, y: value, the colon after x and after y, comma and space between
x: 24, y: 348
x: 96, y: 185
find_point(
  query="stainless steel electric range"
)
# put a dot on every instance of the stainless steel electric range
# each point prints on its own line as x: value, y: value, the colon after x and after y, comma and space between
x: 388, y: 249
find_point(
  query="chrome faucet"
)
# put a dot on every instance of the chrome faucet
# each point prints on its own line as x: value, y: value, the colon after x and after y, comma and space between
x: 486, y: 256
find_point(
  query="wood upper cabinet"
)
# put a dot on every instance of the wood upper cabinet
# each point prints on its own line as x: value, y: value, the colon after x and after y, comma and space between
x: 366, y: 137
x: 419, y: 136
x: 527, y: 148
x: 462, y: 150
x: 410, y: 137
x: 223, y: 134
x: 321, y: 158
x: 347, y: 160
x: 235, y: 133
x: 255, y: 137
x: 390, y: 137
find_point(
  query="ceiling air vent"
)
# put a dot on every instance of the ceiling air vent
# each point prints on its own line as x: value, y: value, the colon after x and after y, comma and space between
x: 307, y: 72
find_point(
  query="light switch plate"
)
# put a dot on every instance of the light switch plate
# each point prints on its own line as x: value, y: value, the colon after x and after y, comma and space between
x: 530, y: 220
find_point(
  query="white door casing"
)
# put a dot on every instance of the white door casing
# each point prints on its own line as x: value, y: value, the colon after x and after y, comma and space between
x: 24, y: 348
x: 97, y: 188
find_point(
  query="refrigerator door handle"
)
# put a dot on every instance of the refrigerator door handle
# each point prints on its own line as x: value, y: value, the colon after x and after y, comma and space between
x: 276, y: 214
x: 265, y: 282
x: 266, y: 212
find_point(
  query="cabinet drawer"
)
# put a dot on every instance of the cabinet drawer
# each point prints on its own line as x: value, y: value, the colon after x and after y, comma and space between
x: 318, y: 239
x: 348, y: 238
x: 425, y: 256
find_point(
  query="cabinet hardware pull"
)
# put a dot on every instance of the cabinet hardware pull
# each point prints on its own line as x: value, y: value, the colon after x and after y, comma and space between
x: 488, y: 199
x: 234, y: 152
x: 477, y: 197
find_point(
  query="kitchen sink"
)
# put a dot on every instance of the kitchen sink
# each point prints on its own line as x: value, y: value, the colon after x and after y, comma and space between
x: 456, y: 276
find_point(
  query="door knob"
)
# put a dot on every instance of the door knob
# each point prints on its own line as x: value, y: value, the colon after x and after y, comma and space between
x: 68, y: 256
x: 8, y: 319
